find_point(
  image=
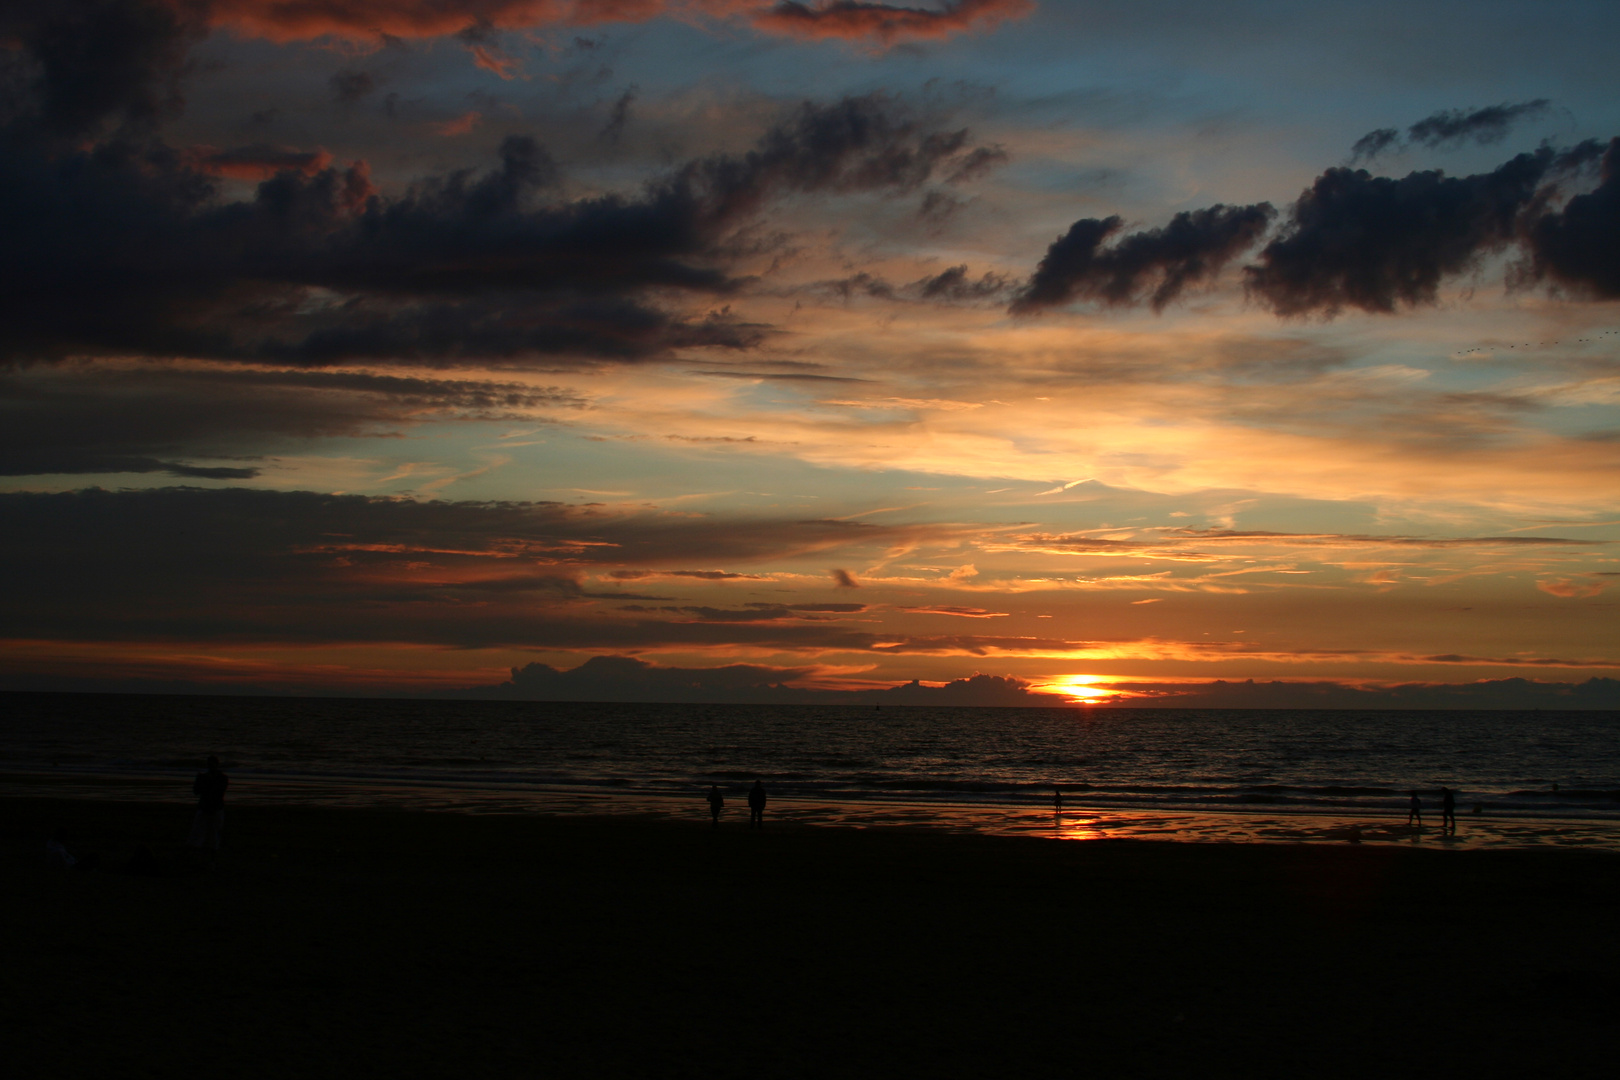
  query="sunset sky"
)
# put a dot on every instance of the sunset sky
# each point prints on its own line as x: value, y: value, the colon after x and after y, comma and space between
x: 376, y: 346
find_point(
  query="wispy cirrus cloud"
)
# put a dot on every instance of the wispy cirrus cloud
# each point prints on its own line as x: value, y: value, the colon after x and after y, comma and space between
x: 1180, y: 544
x: 1452, y: 127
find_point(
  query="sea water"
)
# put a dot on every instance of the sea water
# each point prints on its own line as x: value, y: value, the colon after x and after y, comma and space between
x: 356, y: 751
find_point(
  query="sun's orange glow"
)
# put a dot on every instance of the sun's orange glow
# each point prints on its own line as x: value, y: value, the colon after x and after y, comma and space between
x: 1080, y: 689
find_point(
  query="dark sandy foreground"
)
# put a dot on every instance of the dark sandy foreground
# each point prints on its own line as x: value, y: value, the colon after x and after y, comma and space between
x: 372, y: 943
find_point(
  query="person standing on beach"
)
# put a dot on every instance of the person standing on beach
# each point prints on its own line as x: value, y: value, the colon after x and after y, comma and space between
x: 717, y: 803
x: 1448, y: 810
x: 209, y: 821
x: 1057, y: 799
x: 756, y: 806
x: 1414, y: 811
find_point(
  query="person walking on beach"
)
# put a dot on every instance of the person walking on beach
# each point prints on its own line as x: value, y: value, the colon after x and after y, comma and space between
x: 1414, y: 811
x: 756, y: 806
x: 717, y: 803
x: 1448, y: 810
x: 209, y: 821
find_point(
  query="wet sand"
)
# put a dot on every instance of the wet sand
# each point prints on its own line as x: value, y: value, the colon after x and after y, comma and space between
x: 1077, y: 821
x: 331, y: 942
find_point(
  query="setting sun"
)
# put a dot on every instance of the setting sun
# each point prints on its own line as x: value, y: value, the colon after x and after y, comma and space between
x: 1080, y: 689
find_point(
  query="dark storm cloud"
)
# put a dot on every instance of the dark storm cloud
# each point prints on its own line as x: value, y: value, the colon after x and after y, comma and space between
x: 1487, y: 125
x: 70, y: 68
x: 1356, y: 240
x: 1451, y: 127
x: 976, y: 163
x: 1377, y: 243
x: 350, y: 86
x: 252, y: 533
x: 131, y: 252
x: 624, y: 678
x: 243, y: 565
x: 76, y: 461
x: 150, y: 420
x: 1579, y: 246
x: 1155, y: 265
x: 953, y: 285
x: 1374, y: 143
x: 619, y: 117
x: 950, y: 286
x: 938, y: 207
x: 750, y: 613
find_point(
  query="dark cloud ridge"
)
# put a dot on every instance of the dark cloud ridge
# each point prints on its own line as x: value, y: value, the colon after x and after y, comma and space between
x: 1451, y: 127
x: 1377, y: 243
x: 1579, y: 246
x: 624, y: 678
x: 129, y: 250
x: 152, y: 419
x: 288, y: 565
x: 1358, y: 241
x: 1155, y: 265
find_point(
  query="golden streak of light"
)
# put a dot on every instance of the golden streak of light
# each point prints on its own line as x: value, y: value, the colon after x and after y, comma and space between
x: 1080, y: 689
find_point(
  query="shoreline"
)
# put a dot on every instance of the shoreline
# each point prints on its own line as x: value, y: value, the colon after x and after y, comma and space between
x: 1078, y: 821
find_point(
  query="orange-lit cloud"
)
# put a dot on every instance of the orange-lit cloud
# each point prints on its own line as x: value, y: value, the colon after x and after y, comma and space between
x: 295, y: 20
x: 886, y: 22
x: 460, y: 125
x: 1571, y: 590
x: 496, y: 62
x: 257, y: 162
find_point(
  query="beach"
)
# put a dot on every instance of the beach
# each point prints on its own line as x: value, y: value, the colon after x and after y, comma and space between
x: 332, y: 941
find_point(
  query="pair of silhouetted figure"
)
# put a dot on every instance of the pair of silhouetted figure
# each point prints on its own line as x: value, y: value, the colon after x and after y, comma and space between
x: 756, y: 805
x: 1448, y: 810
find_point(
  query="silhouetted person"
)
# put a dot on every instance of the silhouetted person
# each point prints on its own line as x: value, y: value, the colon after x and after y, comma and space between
x: 209, y: 822
x: 1414, y: 811
x: 57, y: 854
x: 1057, y: 799
x: 717, y: 803
x: 756, y: 806
x: 1448, y: 810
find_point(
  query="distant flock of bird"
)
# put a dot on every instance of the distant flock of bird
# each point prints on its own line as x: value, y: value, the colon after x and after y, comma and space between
x: 1543, y: 344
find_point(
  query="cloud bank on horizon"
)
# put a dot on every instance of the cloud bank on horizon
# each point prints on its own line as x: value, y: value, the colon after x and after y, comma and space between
x: 382, y: 345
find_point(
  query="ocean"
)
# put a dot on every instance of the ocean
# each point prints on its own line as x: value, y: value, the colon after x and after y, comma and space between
x: 992, y: 769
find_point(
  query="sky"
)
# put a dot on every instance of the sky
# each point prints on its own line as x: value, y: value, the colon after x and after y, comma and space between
x: 1106, y: 351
